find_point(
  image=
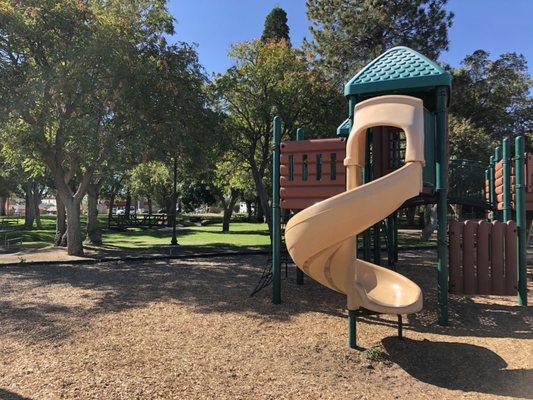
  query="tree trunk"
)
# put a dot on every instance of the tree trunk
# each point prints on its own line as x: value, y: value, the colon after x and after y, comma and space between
x: 149, y: 201
x: 249, y: 210
x: 74, y: 243
x: 228, y: 209
x: 61, y: 222
x: 431, y: 219
x: 29, y: 210
x: 36, y: 201
x: 128, y: 205
x: 263, y: 200
x: 94, y: 234
x: 3, y: 206
x: 111, y: 205
x: 411, y: 211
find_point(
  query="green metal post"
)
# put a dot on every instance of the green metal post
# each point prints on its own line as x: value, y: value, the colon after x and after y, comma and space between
x: 367, y: 177
x: 506, y: 160
x: 377, y: 243
x: 520, y: 199
x: 497, y: 158
x: 299, y: 273
x: 492, y: 198
x: 442, y: 204
x: 352, y: 329
x: 276, y: 223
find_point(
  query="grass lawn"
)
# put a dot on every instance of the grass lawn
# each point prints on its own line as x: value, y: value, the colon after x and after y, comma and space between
x: 192, y: 238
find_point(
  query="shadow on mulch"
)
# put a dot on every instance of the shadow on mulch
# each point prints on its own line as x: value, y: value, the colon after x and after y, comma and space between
x: 8, y: 395
x: 459, y: 366
x: 223, y: 286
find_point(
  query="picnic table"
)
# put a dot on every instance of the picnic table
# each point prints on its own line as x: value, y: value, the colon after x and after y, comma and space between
x: 7, y: 241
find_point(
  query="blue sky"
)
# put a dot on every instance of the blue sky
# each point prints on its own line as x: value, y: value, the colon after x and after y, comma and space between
x: 494, y: 25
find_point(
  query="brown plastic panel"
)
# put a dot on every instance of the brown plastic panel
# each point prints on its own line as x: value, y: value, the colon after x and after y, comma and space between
x: 314, y: 145
x: 339, y: 182
x: 310, y: 191
x: 311, y: 170
x: 456, y: 257
x: 299, y: 204
x: 510, y: 258
x: 483, y: 260
x: 497, y: 264
x: 297, y: 193
x: 469, y: 257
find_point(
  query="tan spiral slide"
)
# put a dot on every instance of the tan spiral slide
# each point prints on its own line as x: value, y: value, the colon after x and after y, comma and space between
x: 321, y: 238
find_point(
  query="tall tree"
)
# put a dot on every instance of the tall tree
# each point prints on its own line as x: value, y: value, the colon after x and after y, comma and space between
x: 495, y: 95
x: 276, y: 27
x: 347, y: 34
x: 266, y: 80
x: 70, y: 101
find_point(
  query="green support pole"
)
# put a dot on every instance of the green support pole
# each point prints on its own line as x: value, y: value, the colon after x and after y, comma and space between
x: 377, y: 243
x: 506, y: 160
x: 276, y: 223
x: 497, y: 157
x: 491, y: 183
x: 395, y: 238
x: 367, y: 177
x: 300, y: 135
x: 520, y: 198
x: 352, y: 329
x: 442, y: 204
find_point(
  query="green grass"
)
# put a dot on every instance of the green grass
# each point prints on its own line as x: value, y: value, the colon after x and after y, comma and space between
x: 242, y: 235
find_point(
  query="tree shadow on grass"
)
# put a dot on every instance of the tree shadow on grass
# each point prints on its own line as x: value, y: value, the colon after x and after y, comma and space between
x: 459, y: 366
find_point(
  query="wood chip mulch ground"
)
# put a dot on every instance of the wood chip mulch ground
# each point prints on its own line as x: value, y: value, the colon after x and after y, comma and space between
x: 187, y: 329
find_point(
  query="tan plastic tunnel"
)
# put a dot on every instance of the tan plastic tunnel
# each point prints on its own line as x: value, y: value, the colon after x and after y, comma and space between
x: 322, y: 238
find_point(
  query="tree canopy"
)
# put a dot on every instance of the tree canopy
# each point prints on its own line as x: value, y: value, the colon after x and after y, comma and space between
x: 347, y: 34
x: 494, y: 94
x: 271, y: 79
x: 276, y: 27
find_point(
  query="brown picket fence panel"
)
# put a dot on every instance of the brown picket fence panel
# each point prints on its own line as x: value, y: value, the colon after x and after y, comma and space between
x: 482, y: 257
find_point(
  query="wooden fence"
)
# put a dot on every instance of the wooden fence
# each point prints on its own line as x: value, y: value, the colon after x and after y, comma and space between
x: 483, y: 257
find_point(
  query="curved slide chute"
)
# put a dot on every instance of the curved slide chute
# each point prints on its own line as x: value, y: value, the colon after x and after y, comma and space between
x: 321, y: 238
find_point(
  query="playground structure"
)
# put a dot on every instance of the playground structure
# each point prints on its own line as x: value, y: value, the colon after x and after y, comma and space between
x: 308, y: 184
x: 489, y: 257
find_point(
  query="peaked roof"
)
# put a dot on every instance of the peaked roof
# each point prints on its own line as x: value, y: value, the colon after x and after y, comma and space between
x: 398, y: 68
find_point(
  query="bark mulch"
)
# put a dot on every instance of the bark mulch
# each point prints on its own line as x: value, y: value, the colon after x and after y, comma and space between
x: 187, y: 329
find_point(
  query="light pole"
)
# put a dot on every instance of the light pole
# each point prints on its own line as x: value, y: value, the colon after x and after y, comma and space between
x: 174, y: 240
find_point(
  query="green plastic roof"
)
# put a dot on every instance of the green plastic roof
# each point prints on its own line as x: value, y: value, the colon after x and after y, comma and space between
x: 344, y: 128
x: 399, y: 68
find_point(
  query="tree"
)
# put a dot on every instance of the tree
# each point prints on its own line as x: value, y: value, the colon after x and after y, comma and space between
x: 347, y: 34
x: 73, y: 104
x: 469, y: 142
x: 267, y: 80
x: 153, y: 181
x: 494, y: 94
x: 276, y: 27
x: 231, y: 181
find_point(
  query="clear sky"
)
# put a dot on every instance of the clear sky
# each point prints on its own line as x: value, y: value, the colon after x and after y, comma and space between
x: 497, y: 26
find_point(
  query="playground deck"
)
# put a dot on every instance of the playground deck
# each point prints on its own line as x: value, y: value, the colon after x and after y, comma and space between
x: 188, y: 330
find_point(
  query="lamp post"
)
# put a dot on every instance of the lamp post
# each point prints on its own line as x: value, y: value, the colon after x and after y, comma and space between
x: 174, y: 240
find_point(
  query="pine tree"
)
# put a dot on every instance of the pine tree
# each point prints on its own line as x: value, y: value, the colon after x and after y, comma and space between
x: 276, y: 27
x: 347, y: 34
